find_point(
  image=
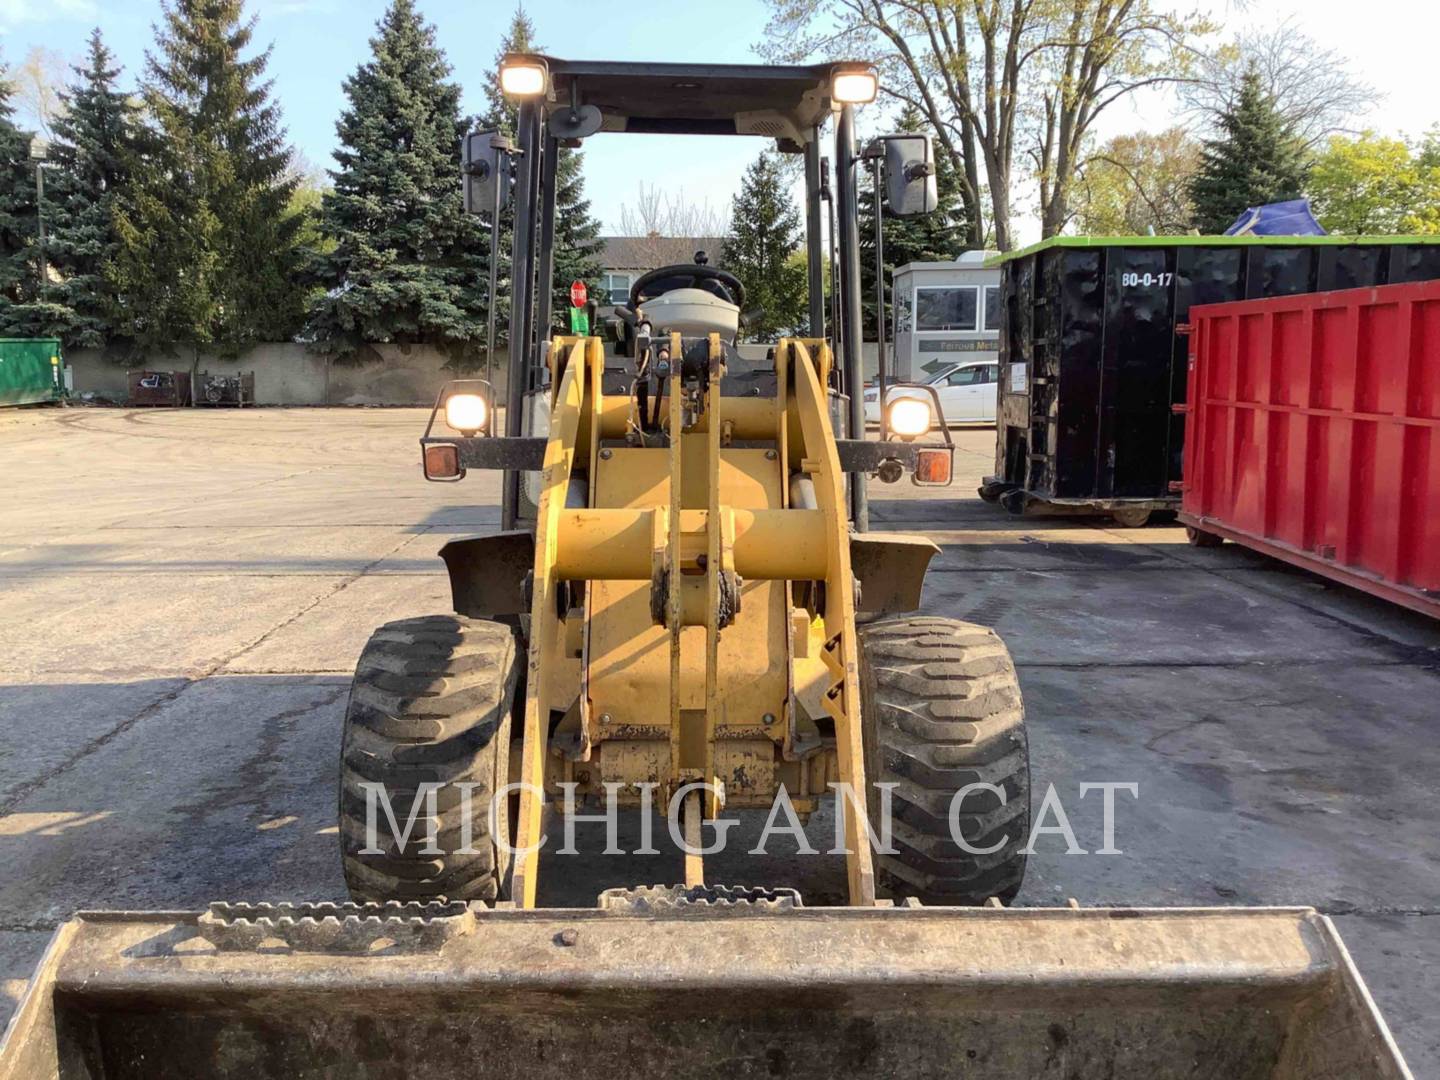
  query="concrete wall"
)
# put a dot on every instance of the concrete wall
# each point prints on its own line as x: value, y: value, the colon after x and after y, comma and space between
x: 290, y: 374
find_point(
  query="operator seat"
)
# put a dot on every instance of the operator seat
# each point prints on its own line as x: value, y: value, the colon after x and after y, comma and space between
x: 693, y: 299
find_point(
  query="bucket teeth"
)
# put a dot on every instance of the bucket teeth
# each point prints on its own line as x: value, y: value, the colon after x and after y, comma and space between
x: 700, y: 899
x: 335, y: 927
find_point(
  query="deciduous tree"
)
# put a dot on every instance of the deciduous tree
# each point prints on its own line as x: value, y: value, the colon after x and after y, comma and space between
x: 1001, y: 78
x: 663, y: 227
x: 1371, y: 184
x: 1314, y: 88
x: 1135, y: 185
x: 39, y: 86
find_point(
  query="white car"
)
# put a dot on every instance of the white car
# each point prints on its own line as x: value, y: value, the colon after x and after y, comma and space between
x: 968, y: 392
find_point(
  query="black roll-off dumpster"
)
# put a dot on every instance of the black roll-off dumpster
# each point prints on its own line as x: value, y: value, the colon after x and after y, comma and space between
x: 1093, y: 353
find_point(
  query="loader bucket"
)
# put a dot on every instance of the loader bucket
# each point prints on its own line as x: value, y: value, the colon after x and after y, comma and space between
x: 728, y: 988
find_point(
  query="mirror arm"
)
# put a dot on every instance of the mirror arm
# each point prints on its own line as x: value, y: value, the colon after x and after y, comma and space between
x: 877, y: 171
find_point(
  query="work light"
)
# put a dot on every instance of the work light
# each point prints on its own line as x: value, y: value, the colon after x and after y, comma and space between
x: 853, y: 87
x: 909, y: 417
x: 466, y: 413
x: 523, y: 79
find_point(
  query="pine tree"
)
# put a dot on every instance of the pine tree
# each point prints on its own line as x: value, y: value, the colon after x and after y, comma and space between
x: 577, y: 237
x: 933, y: 237
x: 765, y: 232
x: 207, y: 253
x: 94, y: 145
x: 1256, y: 160
x: 408, y: 263
x: 577, y: 233
x: 18, y: 269
x: 500, y: 111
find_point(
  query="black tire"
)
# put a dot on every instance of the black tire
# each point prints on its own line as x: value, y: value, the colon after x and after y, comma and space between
x: 1131, y: 517
x: 1201, y: 539
x: 431, y: 702
x: 941, y: 708
x: 991, y: 490
x: 1015, y: 501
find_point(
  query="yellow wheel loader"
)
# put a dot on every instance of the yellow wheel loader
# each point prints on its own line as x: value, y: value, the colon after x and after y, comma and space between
x: 686, y: 613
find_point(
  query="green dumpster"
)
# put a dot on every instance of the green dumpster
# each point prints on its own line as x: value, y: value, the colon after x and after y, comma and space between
x: 31, y: 371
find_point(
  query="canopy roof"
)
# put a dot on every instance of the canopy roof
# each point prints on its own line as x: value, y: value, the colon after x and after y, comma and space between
x: 696, y: 99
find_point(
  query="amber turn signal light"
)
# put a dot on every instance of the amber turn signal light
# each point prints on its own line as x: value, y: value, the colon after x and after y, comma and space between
x: 932, y: 467
x: 442, y: 462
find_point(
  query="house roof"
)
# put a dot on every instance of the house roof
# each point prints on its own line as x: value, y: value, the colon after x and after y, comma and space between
x: 648, y: 252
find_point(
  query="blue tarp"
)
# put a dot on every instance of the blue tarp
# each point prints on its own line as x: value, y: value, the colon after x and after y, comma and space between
x: 1277, y: 219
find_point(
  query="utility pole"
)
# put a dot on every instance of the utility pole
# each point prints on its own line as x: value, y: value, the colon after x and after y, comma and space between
x: 40, y: 218
x: 38, y: 157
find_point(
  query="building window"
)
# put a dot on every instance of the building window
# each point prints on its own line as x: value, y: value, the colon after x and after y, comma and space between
x: 617, y: 288
x: 992, y: 307
x: 946, y: 308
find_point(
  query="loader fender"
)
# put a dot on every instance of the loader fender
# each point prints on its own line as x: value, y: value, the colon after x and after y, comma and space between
x: 891, y: 570
x: 488, y: 574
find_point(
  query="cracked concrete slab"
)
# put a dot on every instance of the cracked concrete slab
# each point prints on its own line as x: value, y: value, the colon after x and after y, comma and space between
x: 151, y: 623
x: 321, y: 550
x: 227, y: 791
x: 44, y: 723
x: 1132, y: 615
x: 330, y: 635
x: 1306, y: 785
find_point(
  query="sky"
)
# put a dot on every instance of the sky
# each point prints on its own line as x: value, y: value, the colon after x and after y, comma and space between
x: 317, y: 43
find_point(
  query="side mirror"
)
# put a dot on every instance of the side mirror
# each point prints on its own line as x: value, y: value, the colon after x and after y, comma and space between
x: 910, y: 188
x: 485, y: 167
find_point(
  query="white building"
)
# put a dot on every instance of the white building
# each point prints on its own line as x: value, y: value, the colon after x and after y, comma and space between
x: 945, y: 313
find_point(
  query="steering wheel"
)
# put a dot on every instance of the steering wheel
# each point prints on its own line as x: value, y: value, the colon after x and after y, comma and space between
x: 712, y: 279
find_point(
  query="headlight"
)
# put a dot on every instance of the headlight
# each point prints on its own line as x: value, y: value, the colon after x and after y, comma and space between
x: 466, y: 413
x: 853, y: 87
x: 909, y: 417
x: 522, y: 79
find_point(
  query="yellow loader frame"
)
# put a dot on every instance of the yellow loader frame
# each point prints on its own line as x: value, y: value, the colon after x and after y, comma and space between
x: 673, y: 531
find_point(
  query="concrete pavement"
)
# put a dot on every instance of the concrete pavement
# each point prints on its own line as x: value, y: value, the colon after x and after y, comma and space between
x: 183, y: 595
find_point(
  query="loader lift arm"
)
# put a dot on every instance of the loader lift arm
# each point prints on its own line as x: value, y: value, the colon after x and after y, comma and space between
x: 691, y: 595
x: 601, y: 543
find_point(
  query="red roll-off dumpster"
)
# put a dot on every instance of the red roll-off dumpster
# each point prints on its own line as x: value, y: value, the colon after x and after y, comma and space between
x: 1313, y: 435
